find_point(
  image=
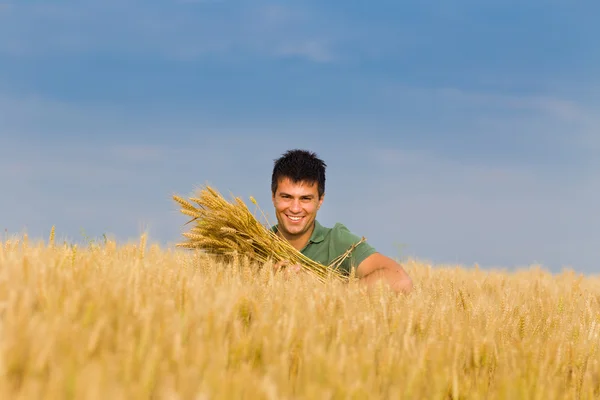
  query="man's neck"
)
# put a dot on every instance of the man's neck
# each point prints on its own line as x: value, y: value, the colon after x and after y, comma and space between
x: 299, y: 242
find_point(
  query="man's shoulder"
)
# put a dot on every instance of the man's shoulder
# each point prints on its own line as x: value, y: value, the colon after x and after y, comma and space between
x: 336, y: 229
x: 341, y: 233
x: 340, y: 227
x: 342, y: 239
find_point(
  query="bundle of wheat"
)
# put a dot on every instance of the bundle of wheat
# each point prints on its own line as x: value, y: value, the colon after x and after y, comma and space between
x: 230, y: 229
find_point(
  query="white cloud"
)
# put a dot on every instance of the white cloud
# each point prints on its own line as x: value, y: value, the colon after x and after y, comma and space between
x: 172, y: 32
x: 557, y: 107
x: 560, y: 108
x: 543, y: 126
x: 456, y: 212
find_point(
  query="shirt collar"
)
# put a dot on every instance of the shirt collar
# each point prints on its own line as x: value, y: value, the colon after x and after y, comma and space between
x: 317, y: 236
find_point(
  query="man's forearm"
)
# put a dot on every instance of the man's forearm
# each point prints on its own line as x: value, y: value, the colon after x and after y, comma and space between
x: 396, y: 280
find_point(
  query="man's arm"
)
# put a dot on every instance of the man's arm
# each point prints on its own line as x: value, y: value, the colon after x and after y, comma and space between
x: 379, y: 267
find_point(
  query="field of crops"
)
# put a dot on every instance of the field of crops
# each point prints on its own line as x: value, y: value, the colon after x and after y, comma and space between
x: 127, y: 321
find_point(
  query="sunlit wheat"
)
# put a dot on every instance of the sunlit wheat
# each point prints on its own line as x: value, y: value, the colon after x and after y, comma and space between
x: 136, y: 321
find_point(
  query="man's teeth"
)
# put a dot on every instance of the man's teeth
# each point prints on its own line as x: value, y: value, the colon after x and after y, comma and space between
x: 294, y: 218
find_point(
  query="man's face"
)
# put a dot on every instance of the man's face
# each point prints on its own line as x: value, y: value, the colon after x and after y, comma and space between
x: 296, y: 206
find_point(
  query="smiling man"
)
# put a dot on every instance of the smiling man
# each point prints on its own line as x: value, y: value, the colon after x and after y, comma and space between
x: 298, y: 191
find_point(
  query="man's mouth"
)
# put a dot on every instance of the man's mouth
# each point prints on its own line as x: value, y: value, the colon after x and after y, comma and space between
x: 294, y: 219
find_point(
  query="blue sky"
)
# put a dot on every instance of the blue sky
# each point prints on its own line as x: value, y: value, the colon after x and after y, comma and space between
x: 463, y: 132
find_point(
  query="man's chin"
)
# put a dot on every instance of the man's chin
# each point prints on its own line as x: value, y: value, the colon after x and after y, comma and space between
x: 294, y: 230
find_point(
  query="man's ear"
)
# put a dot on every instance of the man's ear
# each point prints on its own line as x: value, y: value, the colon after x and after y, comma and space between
x: 321, y: 199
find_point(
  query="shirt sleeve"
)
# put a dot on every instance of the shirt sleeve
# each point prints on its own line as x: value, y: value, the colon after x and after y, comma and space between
x: 343, y: 240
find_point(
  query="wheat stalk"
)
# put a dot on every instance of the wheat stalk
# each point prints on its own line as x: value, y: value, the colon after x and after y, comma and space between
x: 230, y: 229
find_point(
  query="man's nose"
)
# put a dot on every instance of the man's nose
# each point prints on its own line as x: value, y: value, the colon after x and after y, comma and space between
x: 295, y: 207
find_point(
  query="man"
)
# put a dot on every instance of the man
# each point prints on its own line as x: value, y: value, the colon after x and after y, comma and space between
x: 298, y: 190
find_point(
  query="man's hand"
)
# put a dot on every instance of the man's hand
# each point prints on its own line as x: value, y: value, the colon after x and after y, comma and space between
x: 286, y: 268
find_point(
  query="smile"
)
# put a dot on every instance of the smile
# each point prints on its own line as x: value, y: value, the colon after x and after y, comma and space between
x: 294, y: 219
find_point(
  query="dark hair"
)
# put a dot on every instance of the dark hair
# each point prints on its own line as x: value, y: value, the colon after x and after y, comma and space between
x: 299, y: 166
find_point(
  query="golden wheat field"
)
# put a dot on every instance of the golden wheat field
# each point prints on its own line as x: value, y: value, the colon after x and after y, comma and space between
x: 136, y: 321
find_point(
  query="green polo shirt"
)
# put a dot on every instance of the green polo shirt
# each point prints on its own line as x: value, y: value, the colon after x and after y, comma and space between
x: 326, y: 244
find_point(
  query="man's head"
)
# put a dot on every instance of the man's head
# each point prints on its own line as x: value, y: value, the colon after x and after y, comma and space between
x: 298, y: 189
x: 299, y: 166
